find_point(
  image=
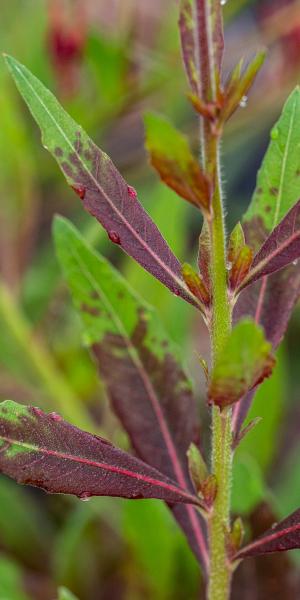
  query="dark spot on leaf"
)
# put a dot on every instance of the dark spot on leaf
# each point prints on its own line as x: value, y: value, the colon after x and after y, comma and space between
x: 298, y: 172
x: 67, y: 169
x: 268, y: 209
x: 90, y: 310
x: 58, y: 152
x: 120, y: 295
x: 274, y: 191
x: 259, y: 190
x: 88, y: 155
x: 114, y: 237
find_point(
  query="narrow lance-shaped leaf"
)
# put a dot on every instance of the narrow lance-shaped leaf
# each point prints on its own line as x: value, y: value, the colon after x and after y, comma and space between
x: 103, y: 191
x: 43, y: 450
x: 195, y: 32
x: 145, y: 382
x: 186, y: 28
x: 280, y: 249
x: 280, y: 538
x: 172, y: 157
x: 240, y: 84
x: 244, y: 362
x: 271, y: 301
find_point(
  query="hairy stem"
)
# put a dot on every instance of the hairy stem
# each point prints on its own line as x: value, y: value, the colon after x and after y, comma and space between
x: 219, y: 582
x: 220, y: 325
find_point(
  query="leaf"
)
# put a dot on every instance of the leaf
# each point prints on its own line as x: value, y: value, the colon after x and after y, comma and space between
x: 65, y: 594
x: 280, y: 538
x: 264, y: 577
x: 280, y: 249
x: 197, y: 467
x: 245, y: 361
x: 278, y: 182
x: 236, y: 243
x: 239, y: 84
x: 103, y: 191
x: 11, y: 581
x: 196, y: 285
x: 271, y: 301
x: 186, y: 28
x: 193, y: 32
x: 145, y: 382
x: 43, y: 450
x: 172, y: 157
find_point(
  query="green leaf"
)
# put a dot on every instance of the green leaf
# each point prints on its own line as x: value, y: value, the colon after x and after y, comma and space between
x: 172, y: 157
x: 245, y: 361
x: 278, y: 182
x: 248, y: 487
x: 65, y: 594
x: 101, y: 188
x: 11, y: 581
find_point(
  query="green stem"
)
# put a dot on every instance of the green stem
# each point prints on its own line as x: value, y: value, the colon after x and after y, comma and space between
x: 219, y: 584
x: 220, y: 576
x: 40, y: 363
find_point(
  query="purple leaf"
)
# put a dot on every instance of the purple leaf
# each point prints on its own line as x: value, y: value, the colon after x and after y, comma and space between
x: 281, y: 248
x: 101, y: 188
x: 186, y: 28
x: 195, y: 32
x: 144, y: 379
x: 280, y: 538
x: 45, y: 451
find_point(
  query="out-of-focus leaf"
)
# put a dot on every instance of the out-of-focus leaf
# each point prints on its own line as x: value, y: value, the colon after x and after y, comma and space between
x: 268, y: 404
x: 65, y: 594
x: 245, y: 361
x: 11, y: 581
x: 281, y: 248
x: 146, y: 384
x: 102, y: 189
x: 248, y: 487
x: 21, y: 520
x: 172, y: 157
x: 45, y: 451
x: 280, y: 538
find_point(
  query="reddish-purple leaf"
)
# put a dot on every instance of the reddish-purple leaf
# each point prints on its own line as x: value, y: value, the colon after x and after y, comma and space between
x: 144, y: 379
x: 280, y: 538
x: 281, y: 248
x: 45, y: 451
x: 196, y: 25
x: 101, y: 188
x: 186, y: 28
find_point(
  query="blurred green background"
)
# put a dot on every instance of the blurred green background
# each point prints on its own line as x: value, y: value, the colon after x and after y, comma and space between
x: 108, y: 62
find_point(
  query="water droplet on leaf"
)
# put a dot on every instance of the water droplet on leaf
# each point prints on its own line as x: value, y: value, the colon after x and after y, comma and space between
x: 229, y: 266
x: 84, y: 496
x: 55, y: 417
x: 114, y: 237
x: 244, y: 102
x: 295, y: 262
x: 223, y: 2
x: 79, y: 190
x: 131, y: 191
